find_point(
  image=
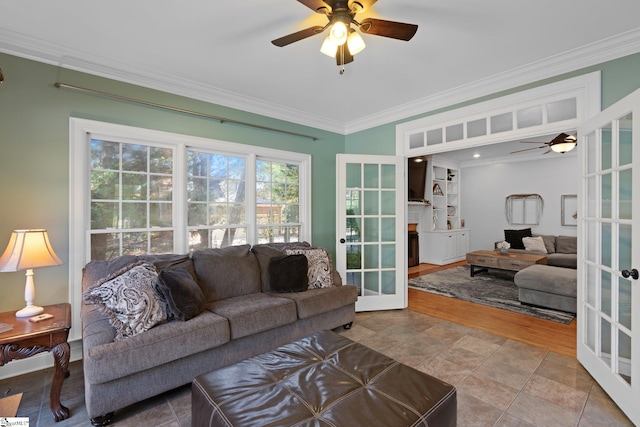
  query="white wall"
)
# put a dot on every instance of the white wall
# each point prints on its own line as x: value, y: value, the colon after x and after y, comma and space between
x: 485, y: 188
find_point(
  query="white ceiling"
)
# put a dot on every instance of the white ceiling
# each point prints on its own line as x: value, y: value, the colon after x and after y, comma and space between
x: 220, y: 51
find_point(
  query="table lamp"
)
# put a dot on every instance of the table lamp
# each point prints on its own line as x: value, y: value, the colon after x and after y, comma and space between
x: 28, y: 249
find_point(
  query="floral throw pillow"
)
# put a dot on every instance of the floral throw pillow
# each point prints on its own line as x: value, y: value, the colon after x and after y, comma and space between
x: 319, y: 272
x: 129, y: 299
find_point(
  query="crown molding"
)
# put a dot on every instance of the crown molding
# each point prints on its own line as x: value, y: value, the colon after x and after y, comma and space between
x: 601, y: 51
x: 42, y: 51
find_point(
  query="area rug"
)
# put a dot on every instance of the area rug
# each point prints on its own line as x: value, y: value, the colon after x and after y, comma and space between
x: 494, y: 288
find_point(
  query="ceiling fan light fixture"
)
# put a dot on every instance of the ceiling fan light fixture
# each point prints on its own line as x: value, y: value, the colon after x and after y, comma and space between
x: 564, y: 146
x: 338, y: 33
x: 355, y: 42
x: 328, y: 47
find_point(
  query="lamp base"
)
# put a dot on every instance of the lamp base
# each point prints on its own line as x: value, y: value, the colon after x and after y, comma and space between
x: 29, y: 311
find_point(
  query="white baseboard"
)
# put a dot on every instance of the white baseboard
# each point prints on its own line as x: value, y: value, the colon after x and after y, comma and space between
x: 38, y: 362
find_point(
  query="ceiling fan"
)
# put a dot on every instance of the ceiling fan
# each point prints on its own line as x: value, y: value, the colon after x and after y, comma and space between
x: 560, y: 144
x: 344, y: 41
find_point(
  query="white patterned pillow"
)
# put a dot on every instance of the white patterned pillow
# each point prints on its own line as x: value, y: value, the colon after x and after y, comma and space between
x: 319, y: 272
x: 535, y: 244
x: 129, y: 299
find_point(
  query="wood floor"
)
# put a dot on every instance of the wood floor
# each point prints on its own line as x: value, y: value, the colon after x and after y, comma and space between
x: 542, y: 333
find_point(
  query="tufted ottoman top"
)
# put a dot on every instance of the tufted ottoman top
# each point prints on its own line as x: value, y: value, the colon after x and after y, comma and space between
x: 324, y: 379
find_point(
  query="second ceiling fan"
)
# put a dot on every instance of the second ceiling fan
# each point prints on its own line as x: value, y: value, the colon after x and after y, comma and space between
x: 344, y: 41
x: 560, y: 144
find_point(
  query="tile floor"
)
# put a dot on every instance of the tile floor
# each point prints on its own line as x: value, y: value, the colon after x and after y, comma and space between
x: 500, y: 382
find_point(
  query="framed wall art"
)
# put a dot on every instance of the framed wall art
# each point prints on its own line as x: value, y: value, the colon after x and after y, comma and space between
x: 569, y: 209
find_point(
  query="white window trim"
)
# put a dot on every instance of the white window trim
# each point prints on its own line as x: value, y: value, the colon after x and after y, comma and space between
x: 79, y: 191
x: 585, y: 89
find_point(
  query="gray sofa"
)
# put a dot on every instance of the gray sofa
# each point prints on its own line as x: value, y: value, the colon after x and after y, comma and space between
x: 242, y: 317
x: 555, y: 284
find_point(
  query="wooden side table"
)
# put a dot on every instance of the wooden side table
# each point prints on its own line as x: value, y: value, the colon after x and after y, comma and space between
x: 27, y: 339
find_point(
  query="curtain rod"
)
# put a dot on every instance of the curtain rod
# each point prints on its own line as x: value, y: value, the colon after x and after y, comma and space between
x: 178, y: 110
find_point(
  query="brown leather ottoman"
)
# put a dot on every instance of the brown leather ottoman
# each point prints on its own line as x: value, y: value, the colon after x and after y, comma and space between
x: 324, y: 379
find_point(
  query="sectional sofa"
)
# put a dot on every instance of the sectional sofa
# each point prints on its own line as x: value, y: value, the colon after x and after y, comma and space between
x: 554, y: 285
x: 220, y: 306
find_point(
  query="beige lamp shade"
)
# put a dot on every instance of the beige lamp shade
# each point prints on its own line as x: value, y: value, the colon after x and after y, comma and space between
x: 28, y: 249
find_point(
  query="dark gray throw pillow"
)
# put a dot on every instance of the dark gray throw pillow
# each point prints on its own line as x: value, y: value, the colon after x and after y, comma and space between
x: 288, y: 273
x: 184, y: 297
x: 514, y: 237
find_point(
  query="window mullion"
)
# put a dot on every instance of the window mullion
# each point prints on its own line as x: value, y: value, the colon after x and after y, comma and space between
x: 250, y: 199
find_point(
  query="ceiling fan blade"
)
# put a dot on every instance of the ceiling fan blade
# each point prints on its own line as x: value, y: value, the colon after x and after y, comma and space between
x: 533, y: 142
x: 361, y: 5
x: 547, y: 152
x: 527, y: 149
x: 391, y: 29
x: 558, y: 139
x: 317, y: 6
x: 343, y: 59
x: 297, y: 36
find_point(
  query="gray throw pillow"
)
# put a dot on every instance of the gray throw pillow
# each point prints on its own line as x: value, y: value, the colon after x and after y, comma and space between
x: 288, y: 273
x: 183, y: 296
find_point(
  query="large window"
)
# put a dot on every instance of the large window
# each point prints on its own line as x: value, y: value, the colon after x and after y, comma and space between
x: 216, y: 197
x: 139, y: 191
x: 131, y: 200
x: 277, y: 201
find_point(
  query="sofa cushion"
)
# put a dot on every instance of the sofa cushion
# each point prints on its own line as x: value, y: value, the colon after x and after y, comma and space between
x: 129, y: 300
x: 549, y: 243
x: 322, y: 300
x: 162, y: 344
x: 563, y: 260
x: 182, y: 294
x: 567, y: 245
x: 265, y: 251
x: 288, y: 273
x: 227, y: 272
x: 514, y: 237
x: 253, y: 313
x: 320, y: 268
x: 549, y: 279
x: 534, y: 244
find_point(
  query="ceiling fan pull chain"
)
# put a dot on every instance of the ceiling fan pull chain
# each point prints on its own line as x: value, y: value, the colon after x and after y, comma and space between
x: 341, y: 49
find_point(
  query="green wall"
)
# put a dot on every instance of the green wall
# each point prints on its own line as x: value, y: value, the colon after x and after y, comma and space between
x: 620, y: 77
x: 34, y: 160
x: 34, y: 139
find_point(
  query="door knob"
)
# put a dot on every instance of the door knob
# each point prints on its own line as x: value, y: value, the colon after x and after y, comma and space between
x: 633, y: 274
x: 342, y: 240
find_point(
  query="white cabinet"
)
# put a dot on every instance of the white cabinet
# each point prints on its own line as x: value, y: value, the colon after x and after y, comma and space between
x: 444, y: 246
x: 443, y: 182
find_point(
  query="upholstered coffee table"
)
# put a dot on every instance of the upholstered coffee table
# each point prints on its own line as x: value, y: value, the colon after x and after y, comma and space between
x: 324, y: 379
x: 493, y: 259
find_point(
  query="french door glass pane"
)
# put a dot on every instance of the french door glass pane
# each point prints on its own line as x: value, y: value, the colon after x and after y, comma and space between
x: 606, y: 147
x: 605, y: 341
x: 371, y: 230
x: 624, y: 356
x: 605, y: 293
x: 371, y: 202
x: 371, y: 176
x: 625, y: 194
x: 606, y: 196
x: 626, y: 140
x: 590, y: 152
x: 624, y: 302
x: 605, y: 237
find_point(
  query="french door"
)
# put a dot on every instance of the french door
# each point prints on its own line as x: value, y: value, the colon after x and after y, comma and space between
x: 609, y: 239
x: 371, y: 229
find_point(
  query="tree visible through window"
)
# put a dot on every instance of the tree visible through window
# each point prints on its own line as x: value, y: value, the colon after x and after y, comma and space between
x: 277, y: 201
x: 216, y: 200
x: 131, y: 199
